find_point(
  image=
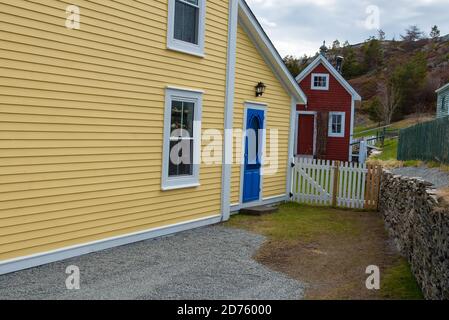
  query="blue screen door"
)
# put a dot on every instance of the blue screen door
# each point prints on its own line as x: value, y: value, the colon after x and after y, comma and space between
x: 253, y: 154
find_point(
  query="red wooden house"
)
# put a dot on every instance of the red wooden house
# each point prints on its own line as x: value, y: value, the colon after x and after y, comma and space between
x: 325, y: 125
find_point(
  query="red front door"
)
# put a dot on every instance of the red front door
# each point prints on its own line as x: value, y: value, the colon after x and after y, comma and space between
x: 306, y: 130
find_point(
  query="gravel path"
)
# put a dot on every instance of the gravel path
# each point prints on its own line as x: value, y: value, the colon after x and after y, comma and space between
x: 433, y: 175
x: 208, y: 263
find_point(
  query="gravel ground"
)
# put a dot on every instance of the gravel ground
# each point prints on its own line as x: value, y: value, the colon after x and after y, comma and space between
x: 208, y: 263
x: 433, y: 175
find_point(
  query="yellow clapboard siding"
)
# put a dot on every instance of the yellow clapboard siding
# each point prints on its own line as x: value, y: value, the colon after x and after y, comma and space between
x: 71, y: 240
x: 250, y: 66
x: 59, y: 227
x: 91, y: 202
x: 81, y: 121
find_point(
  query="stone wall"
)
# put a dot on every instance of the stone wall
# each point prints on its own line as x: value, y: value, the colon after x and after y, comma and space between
x: 419, y: 226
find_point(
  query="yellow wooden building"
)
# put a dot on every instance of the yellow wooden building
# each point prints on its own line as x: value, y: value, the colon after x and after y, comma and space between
x: 90, y: 95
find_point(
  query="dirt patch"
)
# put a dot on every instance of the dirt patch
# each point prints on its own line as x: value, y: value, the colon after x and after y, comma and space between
x: 334, y: 266
x: 331, y: 263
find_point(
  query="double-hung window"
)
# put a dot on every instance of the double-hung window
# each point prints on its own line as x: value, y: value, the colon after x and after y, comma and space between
x: 186, y: 26
x: 320, y: 81
x: 337, y: 124
x: 182, y: 139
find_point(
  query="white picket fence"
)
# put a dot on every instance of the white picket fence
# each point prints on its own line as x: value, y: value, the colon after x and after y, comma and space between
x: 343, y: 184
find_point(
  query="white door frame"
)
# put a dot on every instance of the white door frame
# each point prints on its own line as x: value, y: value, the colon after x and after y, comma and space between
x: 256, y: 106
x: 309, y: 113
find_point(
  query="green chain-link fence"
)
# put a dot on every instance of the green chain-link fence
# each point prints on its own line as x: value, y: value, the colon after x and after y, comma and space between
x: 428, y: 141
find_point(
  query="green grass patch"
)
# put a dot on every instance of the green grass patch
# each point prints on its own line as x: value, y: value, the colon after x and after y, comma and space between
x: 389, y: 152
x: 295, y: 221
x: 398, y: 283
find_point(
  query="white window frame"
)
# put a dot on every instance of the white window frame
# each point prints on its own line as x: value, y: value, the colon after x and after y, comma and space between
x: 325, y: 75
x: 190, y: 95
x: 343, y: 125
x: 182, y: 46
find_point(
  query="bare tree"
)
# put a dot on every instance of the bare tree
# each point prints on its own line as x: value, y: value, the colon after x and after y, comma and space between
x: 389, y: 96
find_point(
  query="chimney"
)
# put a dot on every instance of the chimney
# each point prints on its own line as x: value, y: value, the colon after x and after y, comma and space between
x: 339, y: 65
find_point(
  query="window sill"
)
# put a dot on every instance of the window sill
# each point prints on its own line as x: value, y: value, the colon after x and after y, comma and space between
x: 198, y: 53
x: 320, y: 89
x: 336, y: 136
x: 180, y: 185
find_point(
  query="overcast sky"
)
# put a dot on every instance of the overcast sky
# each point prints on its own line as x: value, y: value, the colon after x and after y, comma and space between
x: 299, y: 27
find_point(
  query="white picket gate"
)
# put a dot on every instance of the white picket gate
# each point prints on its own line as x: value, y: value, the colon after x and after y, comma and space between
x: 343, y: 184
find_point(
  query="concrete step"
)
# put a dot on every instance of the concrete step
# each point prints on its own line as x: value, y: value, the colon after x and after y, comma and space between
x: 259, y: 210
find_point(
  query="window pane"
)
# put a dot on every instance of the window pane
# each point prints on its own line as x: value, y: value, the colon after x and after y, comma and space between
x: 186, y: 22
x: 187, y: 117
x: 176, y: 116
x: 337, y: 120
x: 181, y: 158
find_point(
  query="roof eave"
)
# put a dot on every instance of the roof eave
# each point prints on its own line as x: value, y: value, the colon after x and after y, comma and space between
x: 442, y: 88
x: 320, y: 59
x: 255, y: 31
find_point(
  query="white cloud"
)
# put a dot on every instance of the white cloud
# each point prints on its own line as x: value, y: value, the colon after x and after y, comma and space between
x: 300, y: 26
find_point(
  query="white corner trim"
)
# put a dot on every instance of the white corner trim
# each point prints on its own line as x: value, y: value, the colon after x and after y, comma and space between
x: 291, y: 145
x: 182, y: 46
x: 229, y: 112
x: 312, y: 82
x: 351, y: 136
x: 12, y: 265
x: 343, y: 125
x: 171, y: 183
x: 333, y: 71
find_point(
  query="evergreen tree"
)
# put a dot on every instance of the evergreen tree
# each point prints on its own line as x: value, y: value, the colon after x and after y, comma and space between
x: 435, y: 33
x: 373, y: 54
x: 413, y: 33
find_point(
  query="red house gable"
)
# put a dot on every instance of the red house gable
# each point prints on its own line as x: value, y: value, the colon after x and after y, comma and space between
x: 331, y: 103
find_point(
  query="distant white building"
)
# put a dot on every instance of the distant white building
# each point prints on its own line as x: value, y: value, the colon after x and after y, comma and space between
x: 443, y: 101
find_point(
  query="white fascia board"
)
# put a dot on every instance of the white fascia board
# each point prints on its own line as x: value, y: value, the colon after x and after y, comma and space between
x: 266, y: 48
x: 442, y: 88
x: 333, y: 71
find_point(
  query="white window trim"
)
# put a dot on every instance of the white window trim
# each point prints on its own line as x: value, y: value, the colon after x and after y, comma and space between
x: 182, y: 46
x: 343, y: 125
x: 313, y: 87
x: 172, y: 183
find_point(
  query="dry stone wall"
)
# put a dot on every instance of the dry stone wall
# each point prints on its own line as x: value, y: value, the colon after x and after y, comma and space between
x: 419, y: 226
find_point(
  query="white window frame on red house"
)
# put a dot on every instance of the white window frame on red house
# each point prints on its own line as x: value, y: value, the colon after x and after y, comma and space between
x: 343, y: 122
x: 322, y: 75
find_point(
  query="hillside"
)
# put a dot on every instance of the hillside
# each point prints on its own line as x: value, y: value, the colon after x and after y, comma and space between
x: 368, y: 65
x: 396, y: 53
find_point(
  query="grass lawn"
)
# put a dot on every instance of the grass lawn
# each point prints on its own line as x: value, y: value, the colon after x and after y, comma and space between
x: 389, y: 156
x: 405, y: 123
x: 329, y: 249
x: 389, y: 151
